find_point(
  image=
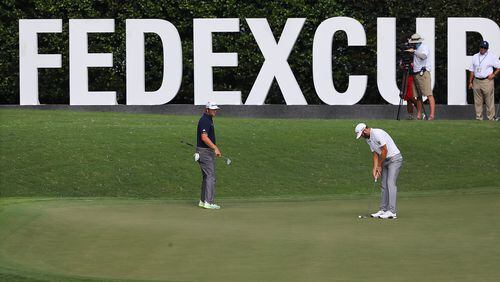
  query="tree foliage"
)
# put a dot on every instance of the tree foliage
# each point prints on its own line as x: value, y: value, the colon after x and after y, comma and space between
x: 54, y: 83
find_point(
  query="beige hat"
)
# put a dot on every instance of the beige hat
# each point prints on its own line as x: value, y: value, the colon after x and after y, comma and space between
x: 416, y: 38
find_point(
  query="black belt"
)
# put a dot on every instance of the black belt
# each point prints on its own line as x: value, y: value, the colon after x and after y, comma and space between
x: 481, y: 78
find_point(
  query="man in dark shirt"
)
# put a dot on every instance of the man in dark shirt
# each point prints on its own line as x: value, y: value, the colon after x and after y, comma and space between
x: 207, y: 149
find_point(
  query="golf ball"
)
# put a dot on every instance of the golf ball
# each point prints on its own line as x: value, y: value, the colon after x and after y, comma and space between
x: 359, y: 216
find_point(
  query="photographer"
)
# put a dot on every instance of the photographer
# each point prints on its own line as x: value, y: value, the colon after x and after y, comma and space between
x: 421, y: 74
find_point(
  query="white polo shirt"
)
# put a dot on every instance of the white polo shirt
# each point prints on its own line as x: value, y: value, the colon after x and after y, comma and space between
x: 379, y: 138
x: 419, y: 63
x: 482, y: 65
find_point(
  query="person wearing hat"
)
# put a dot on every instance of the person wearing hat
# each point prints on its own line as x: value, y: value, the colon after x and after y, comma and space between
x: 481, y: 80
x: 206, y: 148
x: 421, y: 74
x: 387, y: 162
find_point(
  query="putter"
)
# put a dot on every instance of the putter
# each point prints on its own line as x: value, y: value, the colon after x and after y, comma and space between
x: 370, y: 204
x: 228, y: 160
x: 187, y: 143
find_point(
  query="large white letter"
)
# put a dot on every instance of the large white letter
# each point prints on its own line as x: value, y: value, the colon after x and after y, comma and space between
x: 275, y: 64
x: 29, y: 59
x: 386, y: 54
x: 322, y: 61
x: 205, y: 59
x: 458, y: 61
x: 172, y: 54
x: 80, y: 60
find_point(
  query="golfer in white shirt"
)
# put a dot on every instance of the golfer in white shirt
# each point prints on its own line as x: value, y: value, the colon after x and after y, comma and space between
x: 387, y: 162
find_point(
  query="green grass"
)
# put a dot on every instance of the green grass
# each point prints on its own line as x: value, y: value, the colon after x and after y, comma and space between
x: 253, y: 241
x: 64, y: 153
x: 88, y: 196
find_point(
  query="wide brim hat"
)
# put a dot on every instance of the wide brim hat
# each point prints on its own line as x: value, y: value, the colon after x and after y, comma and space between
x: 416, y: 38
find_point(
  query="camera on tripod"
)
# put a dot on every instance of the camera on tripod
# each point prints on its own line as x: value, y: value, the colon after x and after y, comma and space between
x: 406, y: 58
x: 405, y: 63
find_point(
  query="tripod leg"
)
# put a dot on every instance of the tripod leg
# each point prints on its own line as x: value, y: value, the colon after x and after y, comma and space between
x: 404, y: 89
x: 498, y: 108
x: 399, y: 108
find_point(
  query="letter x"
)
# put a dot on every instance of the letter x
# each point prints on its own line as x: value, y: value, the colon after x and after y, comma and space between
x: 276, y: 64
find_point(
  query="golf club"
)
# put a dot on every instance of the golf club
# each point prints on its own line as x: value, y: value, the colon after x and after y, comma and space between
x: 187, y: 143
x: 228, y: 160
x: 370, y: 203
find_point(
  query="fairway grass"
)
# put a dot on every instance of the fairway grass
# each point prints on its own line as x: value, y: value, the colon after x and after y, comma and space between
x: 435, y: 238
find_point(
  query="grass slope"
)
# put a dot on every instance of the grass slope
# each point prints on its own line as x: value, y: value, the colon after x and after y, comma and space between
x: 68, y: 154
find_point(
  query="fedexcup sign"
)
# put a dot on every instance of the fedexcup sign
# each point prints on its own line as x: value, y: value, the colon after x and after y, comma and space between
x: 275, y: 53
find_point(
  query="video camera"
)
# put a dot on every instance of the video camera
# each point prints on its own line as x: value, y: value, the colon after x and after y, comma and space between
x: 406, y: 57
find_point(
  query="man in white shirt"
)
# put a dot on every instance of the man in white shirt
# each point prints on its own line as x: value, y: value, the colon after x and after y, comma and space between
x: 387, y: 162
x: 482, y: 80
x: 421, y: 74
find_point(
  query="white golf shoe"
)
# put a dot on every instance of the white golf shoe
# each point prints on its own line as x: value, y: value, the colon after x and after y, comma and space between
x: 377, y: 214
x: 388, y: 215
x: 201, y: 204
x: 209, y: 206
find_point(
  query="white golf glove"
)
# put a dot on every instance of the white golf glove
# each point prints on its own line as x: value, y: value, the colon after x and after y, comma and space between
x: 196, y: 157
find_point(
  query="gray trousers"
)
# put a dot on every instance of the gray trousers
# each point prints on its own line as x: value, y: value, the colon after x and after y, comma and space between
x: 207, y: 165
x: 390, y: 172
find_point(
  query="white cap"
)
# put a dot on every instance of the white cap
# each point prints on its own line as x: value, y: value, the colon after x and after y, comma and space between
x: 359, y: 129
x: 212, y: 106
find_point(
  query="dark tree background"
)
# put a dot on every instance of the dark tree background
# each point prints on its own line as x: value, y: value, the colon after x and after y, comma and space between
x: 54, y: 83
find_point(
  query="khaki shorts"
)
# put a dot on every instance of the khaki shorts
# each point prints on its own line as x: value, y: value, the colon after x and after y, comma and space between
x: 422, y: 84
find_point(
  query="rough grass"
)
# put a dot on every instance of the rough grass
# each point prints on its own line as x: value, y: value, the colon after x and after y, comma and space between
x: 91, y: 154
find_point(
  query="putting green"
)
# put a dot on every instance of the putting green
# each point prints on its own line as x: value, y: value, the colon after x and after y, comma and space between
x: 438, y: 238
